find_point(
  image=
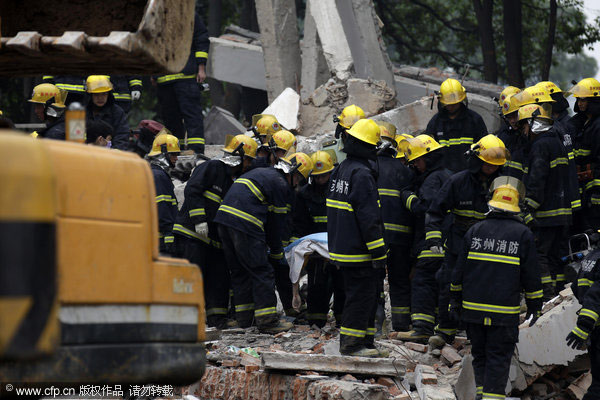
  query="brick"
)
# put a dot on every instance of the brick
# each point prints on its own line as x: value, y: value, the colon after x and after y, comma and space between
x: 247, y: 359
x: 450, y: 355
x: 459, y: 342
x: 421, y: 348
x: 348, y: 378
x: 318, y: 348
x: 424, y: 374
x: 251, y: 368
x: 387, y: 382
x: 231, y: 363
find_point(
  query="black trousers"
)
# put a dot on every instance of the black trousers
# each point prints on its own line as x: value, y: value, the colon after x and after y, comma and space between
x: 424, y: 297
x: 281, y: 271
x: 593, y: 392
x: 399, y: 265
x: 324, y: 280
x: 493, y: 347
x: 251, y: 278
x: 215, y: 276
x: 445, y: 326
x: 358, y: 320
x: 181, y: 109
x: 550, y: 240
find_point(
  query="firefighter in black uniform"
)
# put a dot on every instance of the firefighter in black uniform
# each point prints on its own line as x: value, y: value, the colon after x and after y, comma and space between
x: 548, y: 202
x: 355, y: 236
x: 426, y: 156
x: 587, y: 290
x: 74, y: 85
x: 102, y: 106
x: 162, y: 158
x: 180, y: 96
x: 49, y: 106
x: 455, y: 126
x: 197, y: 236
x: 496, y: 262
x: 393, y: 176
x: 586, y: 126
x: 251, y: 217
x: 310, y: 216
x: 464, y: 196
x: 127, y: 89
x: 515, y: 142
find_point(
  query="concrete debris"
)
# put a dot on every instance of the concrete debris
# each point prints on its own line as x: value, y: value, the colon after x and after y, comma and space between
x: 331, y: 364
x: 427, y: 386
x: 236, y: 62
x: 425, y: 375
x: 450, y: 355
x: 410, y: 118
x: 285, y: 108
x: 421, y: 348
x: 237, y: 30
x: 315, y: 71
x: 465, y: 387
x: 218, y: 123
x: 280, y: 44
x: 373, y: 97
x: 578, y: 388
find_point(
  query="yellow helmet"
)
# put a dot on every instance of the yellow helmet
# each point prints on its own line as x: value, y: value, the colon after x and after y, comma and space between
x: 509, y: 105
x: 265, y: 124
x: 98, y: 84
x: 588, y: 87
x: 284, y: 140
x: 401, y: 144
x: 350, y: 115
x: 549, y: 87
x: 43, y: 92
x: 301, y: 162
x: 164, y: 142
x: 531, y: 95
x: 323, y: 163
x: 386, y: 130
x: 491, y: 150
x: 366, y: 130
x: 527, y: 111
x: 419, y: 146
x: 451, y: 92
x: 233, y: 142
x: 508, y: 91
x: 506, y: 193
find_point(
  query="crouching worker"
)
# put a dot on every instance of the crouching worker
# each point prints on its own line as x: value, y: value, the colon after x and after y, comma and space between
x: 497, y: 260
x: 162, y: 158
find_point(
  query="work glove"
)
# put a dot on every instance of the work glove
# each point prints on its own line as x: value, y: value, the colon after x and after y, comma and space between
x: 202, y: 229
x: 379, y: 264
x: 436, y: 249
x: 135, y: 95
x: 577, y: 338
x: 454, y: 310
x: 534, y: 314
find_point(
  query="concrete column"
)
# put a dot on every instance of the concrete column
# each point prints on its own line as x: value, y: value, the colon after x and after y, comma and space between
x: 280, y: 43
x: 315, y: 70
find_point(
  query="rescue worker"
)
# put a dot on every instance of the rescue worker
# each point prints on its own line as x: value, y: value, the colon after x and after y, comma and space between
x: 162, y: 158
x: 548, y: 206
x: 251, y: 218
x: 49, y: 106
x: 455, y: 126
x: 586, y: 126
x: 464, y: 196
x: 347, y: 118
x: 102, y: 107
x: 140, y: 140
x: 98, y: 133
x: 310, y: 216
x: 197, y: 235
x: 74, y: 85
x: 127, y: 89
x: 426, y: 157
x: 281, y: 144
x: 497, y: 260
x: 510, y: 135
x: 585, y: 334
x: 355, y: 236
x: 392, y: 177
x: 180, y: 96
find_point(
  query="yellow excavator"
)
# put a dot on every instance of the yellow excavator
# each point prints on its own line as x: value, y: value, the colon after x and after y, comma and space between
x: 84, y: 294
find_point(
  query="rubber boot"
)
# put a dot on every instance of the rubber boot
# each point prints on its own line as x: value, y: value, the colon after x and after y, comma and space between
x: 272, y: 324
x: 548, y: 289
x: 400, y: 322
x: 370, y: 344
x: 355, y: 346
x: 420, y: 333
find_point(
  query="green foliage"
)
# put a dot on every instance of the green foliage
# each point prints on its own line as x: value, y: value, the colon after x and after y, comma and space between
x: 570, y: 68
x: 444, y: 34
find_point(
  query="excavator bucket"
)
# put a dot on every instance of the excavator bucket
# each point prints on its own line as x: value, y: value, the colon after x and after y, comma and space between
x: 74, y: 37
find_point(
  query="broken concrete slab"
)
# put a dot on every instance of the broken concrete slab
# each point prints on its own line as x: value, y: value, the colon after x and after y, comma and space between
x: 425, y: 374
x: 544, y: 343
x: 334, y: 389
x: 465, y: 387
x: 450, y: 355
x: 410, y: 118
x: 235, y: 62
x: 579, y: 387
x: 285, y: 108
x: 372, y: 96
x: 280, y: 43
x: 219, y: 123
x: 315, y: 71
x: 333, y: 364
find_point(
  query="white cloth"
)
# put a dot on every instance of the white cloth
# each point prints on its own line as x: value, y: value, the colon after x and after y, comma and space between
x: 298, y: 252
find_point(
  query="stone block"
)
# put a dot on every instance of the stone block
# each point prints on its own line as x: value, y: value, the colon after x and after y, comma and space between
x: 280, y: 43
x: 421, y: 348
x: 343, y: 390
x: 235, y: 62
x: 285, y: 108
x: 410, y: 118
x: 450, y: 355
x: 465, y: 387
x: 579, y: 387
x: 218, y: 123
x: 373, y: 97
